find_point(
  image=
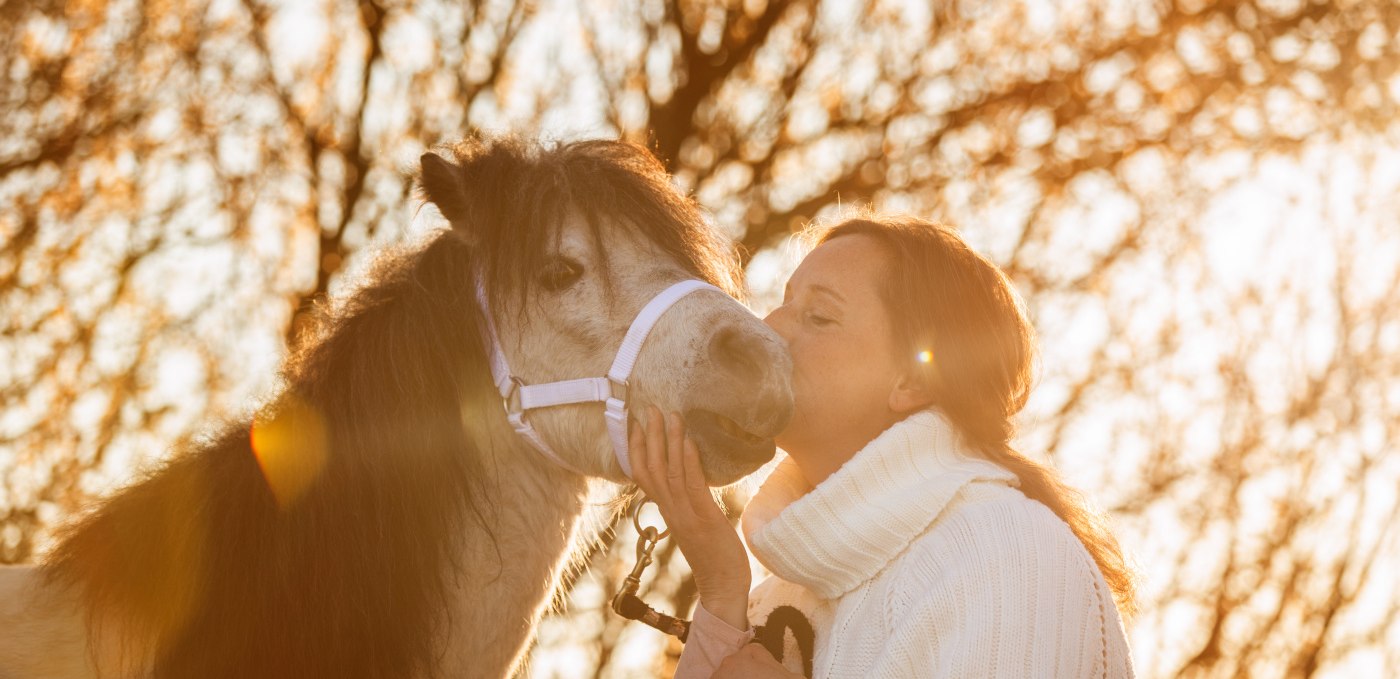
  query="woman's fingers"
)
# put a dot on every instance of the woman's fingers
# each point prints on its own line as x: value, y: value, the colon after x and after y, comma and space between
x: 667, y: 468
x: 673, y: 478
x: 675, y: 468
x: 637, y: 447
x: 695, y: 487
x: 675, y: 447
x: 656, y: 455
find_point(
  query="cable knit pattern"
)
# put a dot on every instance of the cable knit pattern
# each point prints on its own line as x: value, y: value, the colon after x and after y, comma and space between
x: 916, y: 559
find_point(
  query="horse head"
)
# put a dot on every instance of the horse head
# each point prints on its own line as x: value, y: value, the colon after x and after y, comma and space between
x: 571, y: 246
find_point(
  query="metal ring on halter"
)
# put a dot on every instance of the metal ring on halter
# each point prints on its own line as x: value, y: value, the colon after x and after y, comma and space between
x: 515, y: 385
x: 637, y: 519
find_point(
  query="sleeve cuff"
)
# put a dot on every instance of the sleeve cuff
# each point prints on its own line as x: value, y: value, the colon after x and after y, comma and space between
x: 711, y: 640
x: 719, y: 629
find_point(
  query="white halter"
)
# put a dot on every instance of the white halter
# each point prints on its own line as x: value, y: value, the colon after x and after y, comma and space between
x: 519, y: 397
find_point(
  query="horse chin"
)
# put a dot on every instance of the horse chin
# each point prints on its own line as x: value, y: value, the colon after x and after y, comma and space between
x: 722, y: 469
x: 726, y: 453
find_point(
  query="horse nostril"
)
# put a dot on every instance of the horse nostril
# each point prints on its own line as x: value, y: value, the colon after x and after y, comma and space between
x: 738, y: 351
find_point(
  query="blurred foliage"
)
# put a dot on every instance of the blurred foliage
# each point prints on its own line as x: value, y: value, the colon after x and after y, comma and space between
x: 1198, y: 200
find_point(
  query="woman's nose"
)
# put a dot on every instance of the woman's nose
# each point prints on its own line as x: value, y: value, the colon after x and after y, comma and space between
x: 774, y: 319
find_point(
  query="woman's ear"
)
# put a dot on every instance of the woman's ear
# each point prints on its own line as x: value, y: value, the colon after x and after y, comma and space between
x: 443, y: 185
x: 911, y: 393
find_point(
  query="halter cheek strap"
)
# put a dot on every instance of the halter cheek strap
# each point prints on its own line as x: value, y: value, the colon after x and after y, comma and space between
x: 519, y: 397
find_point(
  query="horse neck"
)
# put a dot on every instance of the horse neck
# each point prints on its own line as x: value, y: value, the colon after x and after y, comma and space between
x: 522, y: 546
x: 43, y: 628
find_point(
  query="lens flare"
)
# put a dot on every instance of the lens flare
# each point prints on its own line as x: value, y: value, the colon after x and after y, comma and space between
x: 926, y: 356
x: 291, y: 444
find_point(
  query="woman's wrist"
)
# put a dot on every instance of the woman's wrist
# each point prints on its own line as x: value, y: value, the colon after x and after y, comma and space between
x: 726, y: 589
x: 733, y: 611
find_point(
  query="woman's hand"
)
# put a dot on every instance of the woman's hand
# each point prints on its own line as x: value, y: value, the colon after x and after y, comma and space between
x: 752, y: 662
x: 666, y: 464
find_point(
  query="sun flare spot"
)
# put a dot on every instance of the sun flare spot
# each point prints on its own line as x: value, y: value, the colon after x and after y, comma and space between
x: 291, y: 444
x: 926, y: 356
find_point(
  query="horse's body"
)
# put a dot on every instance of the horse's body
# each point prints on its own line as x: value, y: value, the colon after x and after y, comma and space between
x: 382, y: 519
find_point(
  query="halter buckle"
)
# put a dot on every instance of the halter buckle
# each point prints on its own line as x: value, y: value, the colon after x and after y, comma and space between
x: 618, y: 388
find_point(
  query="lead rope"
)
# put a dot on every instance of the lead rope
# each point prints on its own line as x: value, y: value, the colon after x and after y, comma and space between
x: 771, y: 636
x: 626, y: 603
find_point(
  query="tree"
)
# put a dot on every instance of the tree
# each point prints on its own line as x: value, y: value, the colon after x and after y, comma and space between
x: 1196, y: 199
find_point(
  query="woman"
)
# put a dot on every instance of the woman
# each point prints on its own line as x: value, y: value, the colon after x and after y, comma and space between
x: 905, y: 536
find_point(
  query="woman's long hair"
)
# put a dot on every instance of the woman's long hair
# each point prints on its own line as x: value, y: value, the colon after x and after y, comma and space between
x: 948, y: 300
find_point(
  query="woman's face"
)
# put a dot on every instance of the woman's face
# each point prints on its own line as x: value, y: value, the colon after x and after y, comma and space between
x: 842, y: 344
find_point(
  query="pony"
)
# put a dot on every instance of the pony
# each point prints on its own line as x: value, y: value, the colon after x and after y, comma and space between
x: 380, y: 517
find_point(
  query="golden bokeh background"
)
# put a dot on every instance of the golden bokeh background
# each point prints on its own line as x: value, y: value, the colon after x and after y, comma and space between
x: 1199, y: 200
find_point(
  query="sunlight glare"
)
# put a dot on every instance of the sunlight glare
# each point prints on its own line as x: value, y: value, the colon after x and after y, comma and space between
x: 291, y: 448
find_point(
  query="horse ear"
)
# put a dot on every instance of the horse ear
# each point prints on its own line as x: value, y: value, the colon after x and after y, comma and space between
x: 442, y: 182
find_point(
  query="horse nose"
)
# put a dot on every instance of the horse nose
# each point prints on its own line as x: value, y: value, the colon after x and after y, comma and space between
x: 743, y: 354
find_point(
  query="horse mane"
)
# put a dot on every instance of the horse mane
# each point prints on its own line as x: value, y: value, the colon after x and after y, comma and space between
x: 203, y: 559
x: 207, y: 567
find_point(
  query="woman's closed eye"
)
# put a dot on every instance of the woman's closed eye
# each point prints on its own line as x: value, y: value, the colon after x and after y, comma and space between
x: 818, y: 319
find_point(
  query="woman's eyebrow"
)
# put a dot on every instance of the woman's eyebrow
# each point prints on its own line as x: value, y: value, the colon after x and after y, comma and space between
x: 817, y: 287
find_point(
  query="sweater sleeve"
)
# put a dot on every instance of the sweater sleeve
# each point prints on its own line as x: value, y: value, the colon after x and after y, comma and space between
x: 1007, y: 591
x: 710, y: 641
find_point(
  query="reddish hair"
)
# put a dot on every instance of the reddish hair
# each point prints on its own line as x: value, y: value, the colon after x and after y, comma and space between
x: 945, y: 298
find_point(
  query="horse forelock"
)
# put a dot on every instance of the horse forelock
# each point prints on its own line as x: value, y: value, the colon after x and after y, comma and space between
x: 516, y: 192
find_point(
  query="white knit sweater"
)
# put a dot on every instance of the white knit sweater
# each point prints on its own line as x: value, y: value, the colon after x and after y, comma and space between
x: 916, y: 559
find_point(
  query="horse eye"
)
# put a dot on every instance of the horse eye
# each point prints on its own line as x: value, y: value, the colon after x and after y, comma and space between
x: 560, y: 273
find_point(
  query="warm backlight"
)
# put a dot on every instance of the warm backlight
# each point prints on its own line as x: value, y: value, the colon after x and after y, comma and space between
x: 291, y: 444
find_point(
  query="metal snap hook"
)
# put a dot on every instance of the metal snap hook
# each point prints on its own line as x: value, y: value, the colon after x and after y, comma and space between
x: 637, y: 520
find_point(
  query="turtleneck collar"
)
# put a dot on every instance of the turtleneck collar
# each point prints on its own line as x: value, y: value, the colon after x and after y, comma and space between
x: 832, y: 538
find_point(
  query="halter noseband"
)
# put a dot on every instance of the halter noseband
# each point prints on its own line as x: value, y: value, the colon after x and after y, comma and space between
x: 519, y: 397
